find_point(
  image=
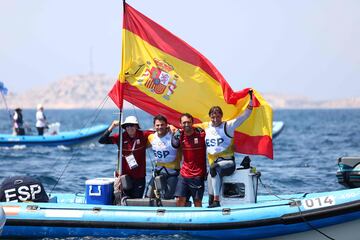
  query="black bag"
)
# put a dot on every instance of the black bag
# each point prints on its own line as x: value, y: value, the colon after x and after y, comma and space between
x: 21, y: 189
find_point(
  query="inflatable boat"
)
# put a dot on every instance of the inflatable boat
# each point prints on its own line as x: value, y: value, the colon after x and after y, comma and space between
x: 62, y: 138
x: 348, y: 173
x: 277, y: 128
x: 243, y: 214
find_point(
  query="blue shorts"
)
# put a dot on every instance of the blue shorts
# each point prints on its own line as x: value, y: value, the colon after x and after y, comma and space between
x: 187, y: 187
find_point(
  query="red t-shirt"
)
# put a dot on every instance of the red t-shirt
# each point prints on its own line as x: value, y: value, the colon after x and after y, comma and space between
x: 194, y: 155
x: 139, y: 152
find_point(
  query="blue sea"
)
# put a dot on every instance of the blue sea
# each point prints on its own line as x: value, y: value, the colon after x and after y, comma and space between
x: 305, y: 153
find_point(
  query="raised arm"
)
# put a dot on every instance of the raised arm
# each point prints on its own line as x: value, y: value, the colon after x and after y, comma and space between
x: 106, y: 138
x: 231, y: 125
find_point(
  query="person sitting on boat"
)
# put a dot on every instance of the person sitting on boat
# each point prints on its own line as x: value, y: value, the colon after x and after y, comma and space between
x: 18, y: 122
x: 134, y: 142
x: 193, y: 169
x: 40, y: 120
x: 166, y: 157
x: 220, y: 149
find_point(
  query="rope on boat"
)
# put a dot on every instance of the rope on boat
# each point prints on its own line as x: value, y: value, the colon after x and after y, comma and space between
x: 89, y: 121
x: 294, y: 200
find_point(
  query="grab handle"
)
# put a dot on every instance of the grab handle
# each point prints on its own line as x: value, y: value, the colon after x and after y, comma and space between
x: 95, y: 193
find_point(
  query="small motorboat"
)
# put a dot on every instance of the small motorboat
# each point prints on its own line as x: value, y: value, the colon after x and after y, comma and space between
x: 348, y: 173
x: 277, y: 127
x: 243, y: 214
x: 61, y: 138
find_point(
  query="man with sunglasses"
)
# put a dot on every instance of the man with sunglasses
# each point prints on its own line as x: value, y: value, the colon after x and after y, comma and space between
x: 134, y: 144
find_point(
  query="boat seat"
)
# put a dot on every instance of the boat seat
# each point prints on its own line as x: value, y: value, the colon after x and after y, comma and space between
x: 151, y: 202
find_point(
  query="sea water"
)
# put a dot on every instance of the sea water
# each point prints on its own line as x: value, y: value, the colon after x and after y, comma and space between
x: 305, y: 153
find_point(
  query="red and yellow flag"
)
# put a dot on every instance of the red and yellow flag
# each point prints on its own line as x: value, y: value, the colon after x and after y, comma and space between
x: 162, y: 74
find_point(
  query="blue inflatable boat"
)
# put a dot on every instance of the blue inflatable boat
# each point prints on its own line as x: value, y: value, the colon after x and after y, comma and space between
x: 62, y: 138
x: 243, y: 215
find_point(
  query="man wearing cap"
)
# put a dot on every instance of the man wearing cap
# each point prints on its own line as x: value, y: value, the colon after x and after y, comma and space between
x: 40, y: 120
x: 134, y: 142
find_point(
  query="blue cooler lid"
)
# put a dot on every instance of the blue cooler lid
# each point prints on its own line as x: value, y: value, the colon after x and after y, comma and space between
x: 100, y: 181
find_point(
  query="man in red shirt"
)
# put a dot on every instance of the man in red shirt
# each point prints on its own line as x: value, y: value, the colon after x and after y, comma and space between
x: 134, y: 143
x: 193, y: 169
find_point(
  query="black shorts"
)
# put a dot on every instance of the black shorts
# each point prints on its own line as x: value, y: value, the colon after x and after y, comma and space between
x: 187, y: 187
x: 137, y: 191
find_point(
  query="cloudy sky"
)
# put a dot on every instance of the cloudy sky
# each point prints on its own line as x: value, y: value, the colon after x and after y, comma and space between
x: 305, y: 48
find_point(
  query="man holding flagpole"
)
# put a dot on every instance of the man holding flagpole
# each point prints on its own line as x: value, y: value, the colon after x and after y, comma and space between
x: 134, y: 142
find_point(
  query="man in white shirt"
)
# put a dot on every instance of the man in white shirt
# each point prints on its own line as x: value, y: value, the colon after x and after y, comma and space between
x: 40, y: 120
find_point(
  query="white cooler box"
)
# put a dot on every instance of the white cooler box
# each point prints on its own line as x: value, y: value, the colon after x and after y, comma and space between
x: 99, y: 191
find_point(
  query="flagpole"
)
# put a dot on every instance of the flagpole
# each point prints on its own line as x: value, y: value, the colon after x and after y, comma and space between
x: 119, y: 160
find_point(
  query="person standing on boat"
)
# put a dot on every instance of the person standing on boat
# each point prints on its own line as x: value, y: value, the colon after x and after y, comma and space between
x: 134, y: 142
x: 193, y: 169
x: 18, y: 122
x: 40, y: 120
x: 220, y: 148
x: 166, y: 157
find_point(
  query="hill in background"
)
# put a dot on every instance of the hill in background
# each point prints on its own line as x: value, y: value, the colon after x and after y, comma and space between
x: 89, y: 91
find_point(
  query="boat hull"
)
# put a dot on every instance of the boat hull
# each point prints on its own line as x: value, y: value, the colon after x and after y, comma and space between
x: 63, y: 138
x: 277, y: 128
x: 269, y: 218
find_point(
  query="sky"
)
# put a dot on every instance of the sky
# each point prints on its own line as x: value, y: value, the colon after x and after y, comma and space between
x: 304, y: 48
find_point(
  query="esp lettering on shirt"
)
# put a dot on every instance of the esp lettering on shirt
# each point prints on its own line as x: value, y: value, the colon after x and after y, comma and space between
x: 214, y: 142
x: 161, y: 154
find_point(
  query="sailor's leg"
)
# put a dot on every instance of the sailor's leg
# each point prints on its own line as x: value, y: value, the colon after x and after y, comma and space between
x: 210, y: 189
x: 171, y: 186
x: 150, y: 189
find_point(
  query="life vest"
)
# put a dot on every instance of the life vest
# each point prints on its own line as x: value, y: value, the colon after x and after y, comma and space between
x: 164, y: 153
x: 218, y: 143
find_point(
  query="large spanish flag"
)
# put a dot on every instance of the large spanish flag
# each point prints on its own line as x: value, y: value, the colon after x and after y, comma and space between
x: 162, y: 74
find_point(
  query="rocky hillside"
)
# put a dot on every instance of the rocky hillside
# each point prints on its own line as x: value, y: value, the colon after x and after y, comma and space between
x: 82, y: 91
x: 89, y: 91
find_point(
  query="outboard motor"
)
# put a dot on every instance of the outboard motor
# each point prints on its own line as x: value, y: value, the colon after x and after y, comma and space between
x: 348, y: 173
x: 241, y: 186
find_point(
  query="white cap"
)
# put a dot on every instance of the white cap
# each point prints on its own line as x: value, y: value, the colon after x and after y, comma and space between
x: 39, y: 106
x: 130, y: 120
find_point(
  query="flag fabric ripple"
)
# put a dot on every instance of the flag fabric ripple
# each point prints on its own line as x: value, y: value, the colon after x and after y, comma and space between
x: 162, y: 74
